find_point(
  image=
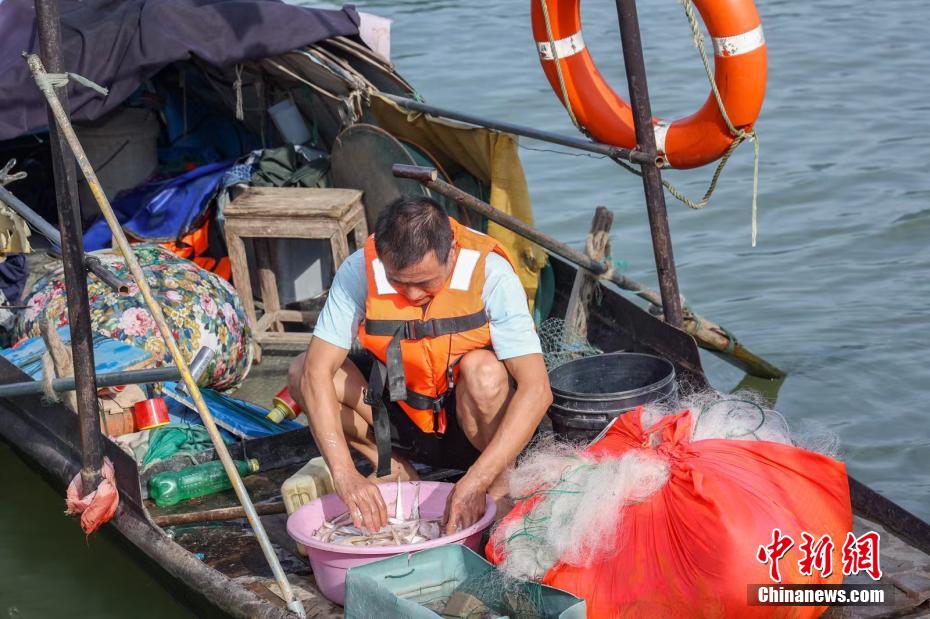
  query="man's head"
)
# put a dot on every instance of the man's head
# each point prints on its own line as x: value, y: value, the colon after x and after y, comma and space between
x: 414, y: 241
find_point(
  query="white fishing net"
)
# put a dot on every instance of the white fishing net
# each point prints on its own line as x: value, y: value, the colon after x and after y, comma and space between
x: 737, y: 416
x: 580, y: 503
x: 579, y: 508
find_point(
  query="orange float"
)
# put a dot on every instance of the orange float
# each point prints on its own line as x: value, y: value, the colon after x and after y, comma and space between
x: 740, y: 64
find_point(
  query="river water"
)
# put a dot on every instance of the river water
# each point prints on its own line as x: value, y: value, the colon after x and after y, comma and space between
x: 834, y: 293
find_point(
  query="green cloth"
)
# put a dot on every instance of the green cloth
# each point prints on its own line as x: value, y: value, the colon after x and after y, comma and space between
x: 290, y: 166
x: 166, y: 441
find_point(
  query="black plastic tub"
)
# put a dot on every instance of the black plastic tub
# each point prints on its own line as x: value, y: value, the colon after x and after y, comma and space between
x: 588, y: 393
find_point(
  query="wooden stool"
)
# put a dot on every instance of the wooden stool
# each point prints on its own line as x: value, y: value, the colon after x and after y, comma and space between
x: 264, y: 213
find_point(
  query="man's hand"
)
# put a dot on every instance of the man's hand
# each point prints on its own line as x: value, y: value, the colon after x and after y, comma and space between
x: 465, y: 506
x: 361, y: 496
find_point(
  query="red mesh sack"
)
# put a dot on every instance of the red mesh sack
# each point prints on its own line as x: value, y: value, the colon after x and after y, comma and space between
x: 691, y: 547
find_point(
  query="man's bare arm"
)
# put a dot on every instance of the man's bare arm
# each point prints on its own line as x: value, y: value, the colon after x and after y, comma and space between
x: 361, y: 496
x: 526, y: 409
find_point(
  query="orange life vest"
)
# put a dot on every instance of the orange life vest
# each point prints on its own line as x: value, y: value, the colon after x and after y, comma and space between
x: 196, y: 248
x: 421, y: 346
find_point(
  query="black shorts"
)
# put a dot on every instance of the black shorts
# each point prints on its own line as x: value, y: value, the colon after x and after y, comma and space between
x: 451, y: 449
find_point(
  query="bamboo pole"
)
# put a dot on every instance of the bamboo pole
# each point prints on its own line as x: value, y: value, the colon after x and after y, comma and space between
x: 119, y: 238
x: 708, y: 334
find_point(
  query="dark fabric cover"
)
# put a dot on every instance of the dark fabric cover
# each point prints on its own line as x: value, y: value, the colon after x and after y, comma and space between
x: 121, y: 43
x: 13, y: 274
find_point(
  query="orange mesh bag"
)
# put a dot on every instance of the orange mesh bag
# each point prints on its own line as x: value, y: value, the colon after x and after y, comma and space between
x: 686, y: 520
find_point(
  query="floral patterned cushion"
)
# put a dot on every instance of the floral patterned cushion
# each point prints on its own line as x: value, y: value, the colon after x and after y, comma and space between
x: 202, y: 308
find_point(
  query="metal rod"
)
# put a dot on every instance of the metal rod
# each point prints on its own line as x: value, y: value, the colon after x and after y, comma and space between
x: 430, y: 178
x: 50, y: 232
x: 614, y: 152
x: 708, y: 334
x: 72, y: 253
x: 114, y: 379
x: 109, y: 379
x: 108, y: 277
x: 35, y: 221
x: 120, y: 241
x: 652, y: 177
x: 223, y: 513
x: 198, y: 366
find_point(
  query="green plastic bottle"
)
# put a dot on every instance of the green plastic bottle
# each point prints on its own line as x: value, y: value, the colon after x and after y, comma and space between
x: 172, y: 487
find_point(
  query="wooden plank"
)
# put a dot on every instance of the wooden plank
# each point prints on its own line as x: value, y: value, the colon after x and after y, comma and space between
x: 359, y: 227
x: 332, y: 203
x: 284, y: 315
x: 264, y: 323
x: 306, y: 318
x: 283, y: 339
x: 279, y: 228
x: 239, y: 266
x: 268, y: 283
x: 340, y: 246
x: 585, y: 284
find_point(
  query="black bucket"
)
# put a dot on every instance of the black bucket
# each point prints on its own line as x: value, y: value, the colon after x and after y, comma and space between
x: 589, y: 393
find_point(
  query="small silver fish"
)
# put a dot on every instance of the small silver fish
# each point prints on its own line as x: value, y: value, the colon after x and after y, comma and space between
x: 399, y: 531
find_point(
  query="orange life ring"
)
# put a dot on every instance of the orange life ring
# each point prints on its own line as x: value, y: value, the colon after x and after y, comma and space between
x: 740, y: 65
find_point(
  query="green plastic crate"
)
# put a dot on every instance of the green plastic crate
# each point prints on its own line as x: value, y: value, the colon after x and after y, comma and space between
x: 402, y: 586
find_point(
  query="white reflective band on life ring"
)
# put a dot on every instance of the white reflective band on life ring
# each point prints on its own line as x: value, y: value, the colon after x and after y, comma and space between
x: 739, y: 43
x: 661, y: 130
x: 569, y: 46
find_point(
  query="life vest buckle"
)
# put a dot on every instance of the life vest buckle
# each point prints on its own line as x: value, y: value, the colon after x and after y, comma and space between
x: 419, y: 329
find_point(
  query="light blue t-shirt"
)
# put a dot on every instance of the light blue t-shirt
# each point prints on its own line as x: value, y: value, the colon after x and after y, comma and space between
x: 513, y: 332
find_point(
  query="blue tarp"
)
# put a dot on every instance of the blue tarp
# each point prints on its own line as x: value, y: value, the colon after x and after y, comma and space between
x: 161, y: 211
x: 121, y: 43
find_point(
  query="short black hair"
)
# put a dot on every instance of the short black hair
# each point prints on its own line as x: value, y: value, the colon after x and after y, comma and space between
x: 409, y: 228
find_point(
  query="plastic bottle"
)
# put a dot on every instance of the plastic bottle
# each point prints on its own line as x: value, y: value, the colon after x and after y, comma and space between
x: 172, y: 487
x: 284, y: 407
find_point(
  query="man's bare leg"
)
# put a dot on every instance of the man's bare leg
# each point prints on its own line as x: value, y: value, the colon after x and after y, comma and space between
x: 356, y: 415
x: 481, y: 397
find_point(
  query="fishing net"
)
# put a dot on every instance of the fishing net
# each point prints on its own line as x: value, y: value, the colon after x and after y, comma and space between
x: 578, y: 508
x: 561, y: 344
x: 572, y: 500
x: 490, y: 594
x: 741, y: 416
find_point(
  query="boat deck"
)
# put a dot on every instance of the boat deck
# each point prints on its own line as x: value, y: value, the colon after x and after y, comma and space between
x: 230, y: 547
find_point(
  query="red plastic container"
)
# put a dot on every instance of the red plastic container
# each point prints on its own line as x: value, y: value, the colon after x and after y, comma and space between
x: 150, y: 413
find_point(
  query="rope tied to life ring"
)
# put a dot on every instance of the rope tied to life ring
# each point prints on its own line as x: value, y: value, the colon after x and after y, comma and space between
x: 739, y: 135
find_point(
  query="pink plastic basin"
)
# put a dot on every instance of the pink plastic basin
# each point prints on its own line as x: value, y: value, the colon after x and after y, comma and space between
x: 330, y: 562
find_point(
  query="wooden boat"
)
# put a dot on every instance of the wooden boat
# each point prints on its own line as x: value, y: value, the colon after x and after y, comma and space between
x: 218, y: 567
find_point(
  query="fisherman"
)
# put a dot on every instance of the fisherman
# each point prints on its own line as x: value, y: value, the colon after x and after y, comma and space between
x: 458, y: 378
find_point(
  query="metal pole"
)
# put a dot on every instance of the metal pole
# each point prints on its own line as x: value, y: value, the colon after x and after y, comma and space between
x: 614, y: 152
x: 72, y: 257
x: 108, y: 379
x: 115, y: 379
x: 50, y: 232
x: 652, y: 177
x: 708, y: 334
